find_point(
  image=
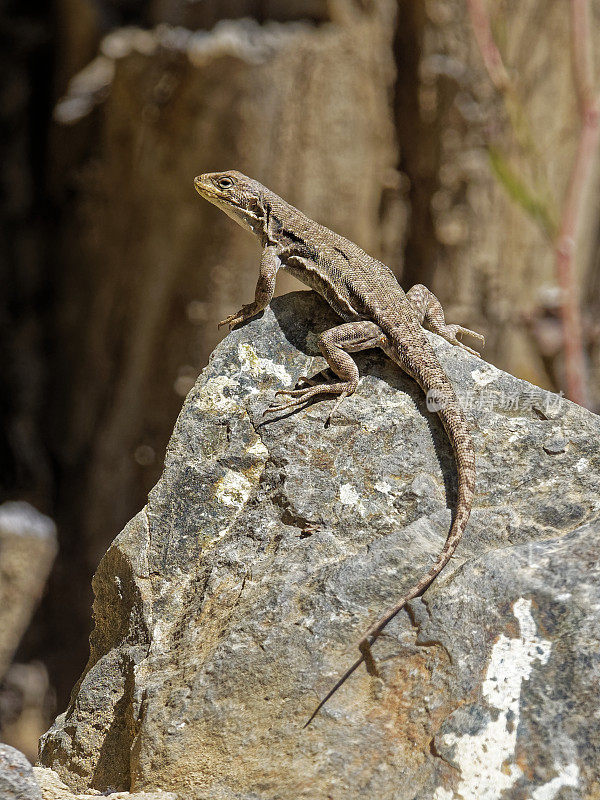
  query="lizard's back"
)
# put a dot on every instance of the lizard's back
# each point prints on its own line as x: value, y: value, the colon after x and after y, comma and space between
x: 355, y: 284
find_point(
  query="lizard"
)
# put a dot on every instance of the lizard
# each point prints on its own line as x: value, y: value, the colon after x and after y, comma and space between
x: 376, y: 313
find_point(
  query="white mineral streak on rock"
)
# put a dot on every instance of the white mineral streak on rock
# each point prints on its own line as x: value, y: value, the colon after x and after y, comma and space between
x: 160, y: 636
x: 567, y: 776
x: 348, y: 494
x: 256, y: 366
x: 233, y: 489
x: 383, y: 487
x: 484, y: 758
x: 485, y: 375
x: 350, y: 497
x: 258, y: 449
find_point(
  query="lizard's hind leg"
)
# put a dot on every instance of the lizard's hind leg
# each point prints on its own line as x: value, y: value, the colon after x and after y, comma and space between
x: 336, y: 344
x: 429, y: 312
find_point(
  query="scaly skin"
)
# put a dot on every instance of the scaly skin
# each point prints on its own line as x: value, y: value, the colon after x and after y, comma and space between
x: 376, y: 313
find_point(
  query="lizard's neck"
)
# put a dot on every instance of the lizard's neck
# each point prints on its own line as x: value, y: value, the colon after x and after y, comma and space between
x: 283, y: 224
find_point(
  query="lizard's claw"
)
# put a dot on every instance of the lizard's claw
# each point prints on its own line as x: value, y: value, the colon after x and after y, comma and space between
x: 300, y: 396
x: 474, y: 334
x: 242, y: 315
x: 231, y: 320
x: 453, y: 331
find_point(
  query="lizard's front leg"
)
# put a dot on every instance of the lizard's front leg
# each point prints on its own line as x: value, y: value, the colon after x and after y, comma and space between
x: 429, y: 311
x: 265, y: 288
x: 336, y: 344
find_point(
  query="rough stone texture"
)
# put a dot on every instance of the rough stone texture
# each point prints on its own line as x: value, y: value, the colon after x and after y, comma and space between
x: 527, y: 620
x: 17, y: 781
x: 229, y: 605
x: 27, y: 550
x: 54, y: 789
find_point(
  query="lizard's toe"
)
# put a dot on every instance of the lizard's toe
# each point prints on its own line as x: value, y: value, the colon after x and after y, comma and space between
x: 291, y: 392
x: 458, y: 329
x: 231, y: 320
x: 454, y: 331
x: 245, y: 312
x: 275, y: 409
x: 301, y: 396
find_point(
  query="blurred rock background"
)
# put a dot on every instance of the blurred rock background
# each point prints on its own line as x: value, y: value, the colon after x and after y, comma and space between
x: 376, y: 117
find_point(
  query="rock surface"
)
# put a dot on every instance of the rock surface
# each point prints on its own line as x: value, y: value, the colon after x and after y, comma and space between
x: 54, y: 789
x: 16, y: 776
x: 230, y: 604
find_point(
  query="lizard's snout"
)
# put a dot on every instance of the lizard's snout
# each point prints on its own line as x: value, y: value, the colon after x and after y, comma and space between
x: 203, y: 187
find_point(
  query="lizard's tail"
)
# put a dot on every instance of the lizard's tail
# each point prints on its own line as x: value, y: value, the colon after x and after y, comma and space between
x: 443, y: 400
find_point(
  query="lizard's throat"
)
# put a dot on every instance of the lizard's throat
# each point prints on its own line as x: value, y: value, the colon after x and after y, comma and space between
x: 248, y: 220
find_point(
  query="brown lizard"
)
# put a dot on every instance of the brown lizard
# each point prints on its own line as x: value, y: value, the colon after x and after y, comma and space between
x: 376, y: 313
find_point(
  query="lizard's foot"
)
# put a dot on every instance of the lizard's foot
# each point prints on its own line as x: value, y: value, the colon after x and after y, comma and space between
x: 429, y: 312
x: 302, y: 396
x: 245, y: 312
x: 450, y: 334
x: 231, y: 320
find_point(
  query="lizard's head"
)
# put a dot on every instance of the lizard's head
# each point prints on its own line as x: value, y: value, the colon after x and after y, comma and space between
x: 239, y: 197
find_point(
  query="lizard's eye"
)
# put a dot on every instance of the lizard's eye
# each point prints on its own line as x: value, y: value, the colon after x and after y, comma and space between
x: 225, y: 183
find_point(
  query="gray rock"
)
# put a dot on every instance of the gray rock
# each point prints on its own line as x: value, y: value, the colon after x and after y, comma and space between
x: 54, y: 789
x: 555, y: 445
x: 232, y: 602
x: 17, y: 781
